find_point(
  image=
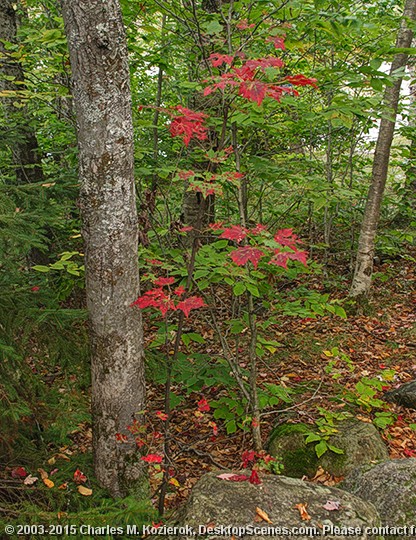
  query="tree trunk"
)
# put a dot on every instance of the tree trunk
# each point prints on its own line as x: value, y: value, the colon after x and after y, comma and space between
x: 24, y: 150
x: 364, y: 263
x: 101, y: 90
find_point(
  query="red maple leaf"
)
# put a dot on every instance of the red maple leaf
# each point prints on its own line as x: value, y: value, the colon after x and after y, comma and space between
x: 278, y: 42
x: 301, y: 80
x: 79, y: 477
x: 247, y: 457
x: 188, y: 124
x: 286, y: 237
x: 163, y: 416
x: 258, y: 229
x: 254, y: 478
x: 219, y: 59
x: 152, y: 458
x: 179, y: 290
x: 280, y: 258
x: 235, y: 232
x: 242, y: 255
x: 203, y: 405
x: 253, y: 90
x: 155, y: 298
x: 216, y: 226
x: 189, y: 228
x: 193, y: 302
x: 162, y: 281
x: 120, y: 437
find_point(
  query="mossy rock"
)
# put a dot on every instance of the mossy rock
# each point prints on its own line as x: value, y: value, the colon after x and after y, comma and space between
x: 361, y: 444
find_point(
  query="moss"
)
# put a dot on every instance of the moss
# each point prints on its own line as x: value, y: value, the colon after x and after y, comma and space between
x: 298, y: 458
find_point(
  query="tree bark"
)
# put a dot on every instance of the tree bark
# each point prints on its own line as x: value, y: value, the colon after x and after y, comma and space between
x: 101, y: 90
x: 364, y: 262
x: 25, y: 154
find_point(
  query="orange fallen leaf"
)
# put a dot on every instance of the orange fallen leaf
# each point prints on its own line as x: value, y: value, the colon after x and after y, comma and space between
x: 63, y: 486
x: 48, y: 483
x: 302, y: 511
x: 174, y: 482
x: 84, y: 491
x: 263, y: 515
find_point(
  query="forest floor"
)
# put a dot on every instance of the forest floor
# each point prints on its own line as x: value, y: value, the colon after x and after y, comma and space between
x: 323, y: 360
x: 320, y: 359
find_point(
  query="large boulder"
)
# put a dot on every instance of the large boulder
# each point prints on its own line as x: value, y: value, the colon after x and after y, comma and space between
x: 404, y: 395
x: 360, y: 441
x: 223, y: 509
x: 391, y: 487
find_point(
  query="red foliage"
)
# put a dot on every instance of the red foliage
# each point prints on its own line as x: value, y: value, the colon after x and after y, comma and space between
x: 242, y: 255
x: 281, y: 258
x: 278, y: 42
x: 254, y: 478
x: 247, y: 457
x: 235, y: 232
x: 286, y: 237
x: 193, y: 302
x: 219, y: 59
x: 152, y: 458
x: 19, y: 472
x: 155, y: 298
x: 203, y: 405
x: 163, y: 416
x: 188, y: 124
x: 162, y: 281
x: 79, y: 477
x: 301, y: 80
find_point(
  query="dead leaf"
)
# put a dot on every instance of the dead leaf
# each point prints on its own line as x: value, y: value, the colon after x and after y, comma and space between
x: 51, y: 461
x: 63, y: 456
x: 233, y: 477
x: 62, y: 515
x: 332, y: 505
x: 30, y: 480
x: 43, y: 474
x: 174, y: 482
x: 84, y: 491
x: 63, y: 486
x: 48, y: 483
x: 303, y: 512
x: 263, y: 515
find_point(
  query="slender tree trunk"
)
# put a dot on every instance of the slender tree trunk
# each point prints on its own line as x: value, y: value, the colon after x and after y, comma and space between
x: 364, y: 263
x: 101, y: 89
x: 25, y: 152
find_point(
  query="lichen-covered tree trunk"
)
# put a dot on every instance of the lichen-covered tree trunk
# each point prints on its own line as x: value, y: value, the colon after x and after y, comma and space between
x: 364, y: 262
x: 24, y: 147
x: 101, y: 90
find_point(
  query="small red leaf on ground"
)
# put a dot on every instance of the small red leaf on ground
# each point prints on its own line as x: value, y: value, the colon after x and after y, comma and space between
x: 152, y: 458
x: 254, y: 478
x: 79, y: 477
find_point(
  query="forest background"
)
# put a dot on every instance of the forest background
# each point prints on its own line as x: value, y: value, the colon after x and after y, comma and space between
x: 255, y: 126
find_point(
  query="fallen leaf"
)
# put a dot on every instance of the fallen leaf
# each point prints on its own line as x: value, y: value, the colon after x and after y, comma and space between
x: 63, y: 456
x: 19, y: 472
x: 79, y: 477
x: 263, y: 515
x: 303, y: 512
x: 63, y: 486
x: 84, y: 491
x: 52, y: 461
x: 174, y: 482
x: 233, y: 477
x: 30, y: 480
x: 62, y: 515
x: 48, y: 483
x: 43, y: 474
x: 332, y: 505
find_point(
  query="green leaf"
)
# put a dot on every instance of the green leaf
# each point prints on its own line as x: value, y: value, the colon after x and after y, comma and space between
x: 253, y: 289
x: 335, y: 449
x: 213, y: 27
x: 239, y: 288
x: 321, y: 448
x: 41, y: 268
x: 312, y: 437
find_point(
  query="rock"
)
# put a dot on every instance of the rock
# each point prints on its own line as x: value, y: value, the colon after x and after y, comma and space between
x: 404, y: 395
x: 360, y: 441
x: 221, y: 503
x: 391, y: 487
